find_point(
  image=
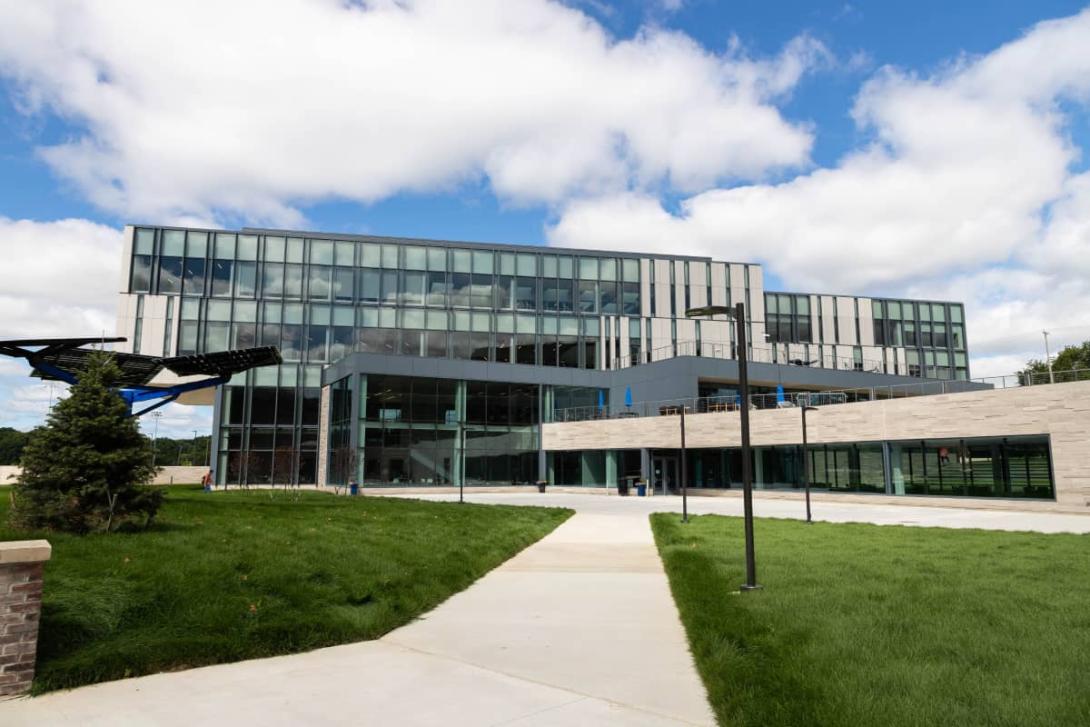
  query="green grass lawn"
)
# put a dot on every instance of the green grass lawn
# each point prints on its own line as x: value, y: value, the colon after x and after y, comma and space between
x: 222, y: 577
x: 890, y: 626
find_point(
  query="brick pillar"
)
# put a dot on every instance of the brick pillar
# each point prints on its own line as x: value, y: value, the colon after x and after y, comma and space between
x: 21, y: 564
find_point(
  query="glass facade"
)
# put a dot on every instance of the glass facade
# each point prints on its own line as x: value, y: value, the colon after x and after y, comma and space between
x: 1010, y: 467
x: 322, y: 298
x: 933, y: 333
x: 433, y: 431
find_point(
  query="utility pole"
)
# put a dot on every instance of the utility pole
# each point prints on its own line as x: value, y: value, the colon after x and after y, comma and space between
x: 1048, y: 360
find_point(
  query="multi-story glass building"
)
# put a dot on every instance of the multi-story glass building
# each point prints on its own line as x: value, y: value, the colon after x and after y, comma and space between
x: 434, y: 362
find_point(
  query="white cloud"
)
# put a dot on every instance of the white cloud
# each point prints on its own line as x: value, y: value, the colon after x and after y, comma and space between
x: 249, y: 109
x: 61, y: 278
x: 965, y: 189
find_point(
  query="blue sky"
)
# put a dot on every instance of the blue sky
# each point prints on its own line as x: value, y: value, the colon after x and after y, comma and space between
x: 925, y: 148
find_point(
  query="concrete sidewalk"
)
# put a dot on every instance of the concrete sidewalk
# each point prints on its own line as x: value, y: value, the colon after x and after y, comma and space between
x: 578, y: 629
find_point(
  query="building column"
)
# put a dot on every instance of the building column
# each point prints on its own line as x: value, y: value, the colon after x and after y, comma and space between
x: 218, y: 473
x: 323, y: 436
x: 645, y: 465
x: 543, y: 467
x: 611, y: 468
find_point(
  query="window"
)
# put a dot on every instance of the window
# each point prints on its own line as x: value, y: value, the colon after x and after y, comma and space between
x: 526, y: 293
x: 170, y: 275
x: 588, y: 296
x: 141, y: 274
x: 221, y: 277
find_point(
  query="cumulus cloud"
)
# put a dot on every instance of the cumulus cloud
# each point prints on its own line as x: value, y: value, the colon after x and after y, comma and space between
x: 251, y: 109
x: 965, y: 188
x: 61, y: 278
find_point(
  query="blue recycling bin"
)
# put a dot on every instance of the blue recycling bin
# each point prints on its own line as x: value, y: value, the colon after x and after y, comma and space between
x: 353, y: 488
x: 641, y: 489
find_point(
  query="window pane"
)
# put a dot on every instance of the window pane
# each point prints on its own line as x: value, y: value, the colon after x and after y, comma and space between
x: 145, y: 242
x: 527, y: 264
x: 247, y: 247
x: 370, y: 255
x: 588, y: 296
x: 344, y: 253
x: 526, y: 293
x: 173, y: 243
x: 274, y: 249
x: 482, y: 262
x: 245, y: 279
x: 293, y: 281
x: 389, y: 256
x: 221, y: 277
x: 588, y: 268
x: 194, y: 276
x: 141, y: 274
x: 170, y: 275
x: 225, y: 246
x: 630, y: 270
x: 415, y: 258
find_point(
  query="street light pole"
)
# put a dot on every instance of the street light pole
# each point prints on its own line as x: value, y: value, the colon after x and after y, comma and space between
x: 684, y: 471
x: 805, y: 461
x: 1048, y: 360
x: 739, y: 316
x: 747, y: 465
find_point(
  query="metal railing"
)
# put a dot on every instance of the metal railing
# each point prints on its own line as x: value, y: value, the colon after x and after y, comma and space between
x: 1034, y: 378
x: 758, y: 354
x: 793, y: 399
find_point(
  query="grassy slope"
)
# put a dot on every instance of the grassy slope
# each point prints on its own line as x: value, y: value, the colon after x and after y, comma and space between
x: 224, y: 577
x: 869, y: 625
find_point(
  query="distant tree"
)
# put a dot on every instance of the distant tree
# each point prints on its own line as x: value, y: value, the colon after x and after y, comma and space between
x: 1070, y: 358
x: 87, y: 467
x: 12, y: 442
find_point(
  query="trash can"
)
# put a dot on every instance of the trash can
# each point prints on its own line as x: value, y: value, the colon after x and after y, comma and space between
x: 353, y: 488
x: 541, y: 485
x: 641, y: 489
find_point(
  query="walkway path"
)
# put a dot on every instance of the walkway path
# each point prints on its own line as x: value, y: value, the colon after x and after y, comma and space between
x: 578, y: 629
x: 826, y: 509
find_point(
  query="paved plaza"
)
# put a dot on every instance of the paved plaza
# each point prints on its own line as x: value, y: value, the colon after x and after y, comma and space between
x: 578, y: 629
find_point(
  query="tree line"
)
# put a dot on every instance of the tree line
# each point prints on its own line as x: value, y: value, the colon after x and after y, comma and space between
x: 166, y: 451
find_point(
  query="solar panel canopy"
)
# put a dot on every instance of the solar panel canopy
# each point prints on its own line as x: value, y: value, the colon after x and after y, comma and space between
x: 223, y: 363
x: 66, y: 355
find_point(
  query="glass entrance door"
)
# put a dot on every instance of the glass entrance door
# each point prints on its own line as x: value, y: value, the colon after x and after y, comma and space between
x: 664, y: 471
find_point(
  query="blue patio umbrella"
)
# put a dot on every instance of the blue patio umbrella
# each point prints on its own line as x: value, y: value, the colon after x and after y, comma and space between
x: 601, y: 400
x: 628, y: 396
x: 779, y: 394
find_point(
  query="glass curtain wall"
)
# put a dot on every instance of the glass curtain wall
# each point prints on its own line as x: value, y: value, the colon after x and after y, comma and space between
x: 1013, y: 467
x: 423, y: 431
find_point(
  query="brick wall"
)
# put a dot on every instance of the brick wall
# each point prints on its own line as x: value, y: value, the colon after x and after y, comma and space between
x: 21, y: 565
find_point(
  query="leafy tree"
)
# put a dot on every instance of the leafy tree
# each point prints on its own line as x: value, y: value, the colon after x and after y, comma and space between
x: 1071, y: 358
x: 86, y: 468
x: 12, y: 442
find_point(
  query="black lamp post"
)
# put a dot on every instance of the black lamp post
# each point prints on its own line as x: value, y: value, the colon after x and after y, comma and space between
x: 805, y: 461
x: 739, y: 317
x: 684, y: 471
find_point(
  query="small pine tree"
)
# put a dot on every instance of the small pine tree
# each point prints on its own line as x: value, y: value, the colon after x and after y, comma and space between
x: 87, y: 467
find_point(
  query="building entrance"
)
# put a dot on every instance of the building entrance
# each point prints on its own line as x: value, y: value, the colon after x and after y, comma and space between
x: 664, y: 474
